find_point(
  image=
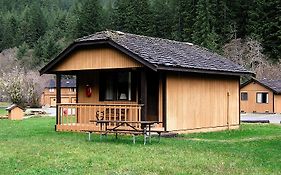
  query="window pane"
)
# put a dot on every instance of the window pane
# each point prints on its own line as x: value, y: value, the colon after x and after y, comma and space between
x: 259, y: 98
x: 122, y: 85
x: 116, y: 86
x: 109, y: 88
x: 262, y: 97
x: 244, y: 96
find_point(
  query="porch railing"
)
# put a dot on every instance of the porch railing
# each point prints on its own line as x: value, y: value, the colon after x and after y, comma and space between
x: 78, y: 116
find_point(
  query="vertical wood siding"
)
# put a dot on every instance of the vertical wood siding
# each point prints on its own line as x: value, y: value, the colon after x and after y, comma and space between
x: 48, y: 97
x: 201, y: 102
x: 277, y: 103
x: 96, y: 58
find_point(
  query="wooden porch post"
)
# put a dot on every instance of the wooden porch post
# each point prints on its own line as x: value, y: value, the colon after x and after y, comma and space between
x: 164, y: 98
x: 143, y: 95
x: 58, y: 96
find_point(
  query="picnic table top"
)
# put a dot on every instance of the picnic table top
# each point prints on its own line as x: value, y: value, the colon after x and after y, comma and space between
x: 121, y: 121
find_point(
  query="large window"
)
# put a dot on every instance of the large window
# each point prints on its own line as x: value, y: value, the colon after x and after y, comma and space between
x: 117, y: 86
x: 262, y: 97
x: 244, y: 96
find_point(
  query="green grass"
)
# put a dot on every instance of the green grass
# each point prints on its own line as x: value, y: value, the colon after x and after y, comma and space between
x: 3, y: 111
x: 33, y: 147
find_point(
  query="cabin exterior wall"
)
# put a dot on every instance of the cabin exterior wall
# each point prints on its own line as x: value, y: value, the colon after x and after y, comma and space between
x: 68, y: 95
x: 201, y: 103
x: 250, y: 105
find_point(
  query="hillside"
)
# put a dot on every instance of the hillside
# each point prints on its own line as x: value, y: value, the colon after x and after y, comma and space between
x: 40, y: 29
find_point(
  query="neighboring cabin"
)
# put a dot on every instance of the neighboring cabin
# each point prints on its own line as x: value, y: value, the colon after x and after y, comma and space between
x: 68, y: 92
x: 261, y: 96
x: 122, y: 76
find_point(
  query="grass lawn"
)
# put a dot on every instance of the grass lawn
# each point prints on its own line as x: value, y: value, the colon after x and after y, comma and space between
x: 33, y: 147
x: 3, y: 111
x: 3, y: 106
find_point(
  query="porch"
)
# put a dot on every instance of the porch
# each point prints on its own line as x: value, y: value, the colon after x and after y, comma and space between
x: 77, y: 117
x: 112, y: 95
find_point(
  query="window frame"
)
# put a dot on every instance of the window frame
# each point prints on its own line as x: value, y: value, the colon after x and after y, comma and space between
x: 247, y: 96
x: 114, y: 76
x: 267, y: 97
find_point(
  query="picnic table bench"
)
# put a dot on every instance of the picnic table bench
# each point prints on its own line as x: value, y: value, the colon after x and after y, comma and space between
x: 132, y: 129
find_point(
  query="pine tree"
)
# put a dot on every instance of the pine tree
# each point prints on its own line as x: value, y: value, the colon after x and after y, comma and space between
x: 88, y: 18
x: 184, y: 11
x: 107, y: 16
x: 9, y: 32
x: 45, y: 49
x: 162, y: 19
x: 133, y: 16
x: 224, y: 25
x: 271, y: 32
x: 32, y: 25
x: 204, y: 33
x: 119, y: 14
x: 255, y: 20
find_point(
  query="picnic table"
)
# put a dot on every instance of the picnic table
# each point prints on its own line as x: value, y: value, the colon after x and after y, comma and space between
x: 131, y: 128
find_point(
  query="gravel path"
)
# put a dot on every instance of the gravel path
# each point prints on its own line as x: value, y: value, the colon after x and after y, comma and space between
x: 273, y: 118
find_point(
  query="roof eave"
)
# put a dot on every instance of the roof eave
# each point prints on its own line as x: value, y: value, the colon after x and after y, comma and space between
x: 206, y: 71
x: 260, y: 83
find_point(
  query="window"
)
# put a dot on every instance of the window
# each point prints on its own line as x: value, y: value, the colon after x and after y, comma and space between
x: 244, y: 96
x: 51, y: 89
x: 262, y: 97
x: 117, y: 86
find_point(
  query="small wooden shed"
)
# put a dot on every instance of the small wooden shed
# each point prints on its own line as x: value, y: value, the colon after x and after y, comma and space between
x: 15, y: 112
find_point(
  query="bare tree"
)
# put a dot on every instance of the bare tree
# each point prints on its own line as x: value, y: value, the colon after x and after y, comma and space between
x: 248, y: 53
x: 19, y: 85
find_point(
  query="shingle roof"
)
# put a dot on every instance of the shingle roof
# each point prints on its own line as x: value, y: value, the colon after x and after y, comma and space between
x: 65, y: 83
x: 273, y: 85
x: 167, y: 54
x: 13, y: 106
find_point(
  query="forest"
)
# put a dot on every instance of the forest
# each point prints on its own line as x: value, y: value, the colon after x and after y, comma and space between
x: 247, y: 32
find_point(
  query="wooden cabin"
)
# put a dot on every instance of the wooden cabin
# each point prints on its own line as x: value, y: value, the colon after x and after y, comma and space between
x: 15, y: 112
x: 129, y: 77
x: 261, y: 96
x: 68, y: 92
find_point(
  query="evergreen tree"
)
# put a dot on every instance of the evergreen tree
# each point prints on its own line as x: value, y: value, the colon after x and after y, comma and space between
x: 107, y: 16
x: 32, y: 25
x: 203, y: 30
x: 119, y: 15
x: 271, y: 32
x: 9, y: 31
x: 133, y: 16
x: 184, y: 11
x: 255, y: 22
x: 88, y: 18
x: 162, y: 19
x: 224, y: 25
x: 45, y: 49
